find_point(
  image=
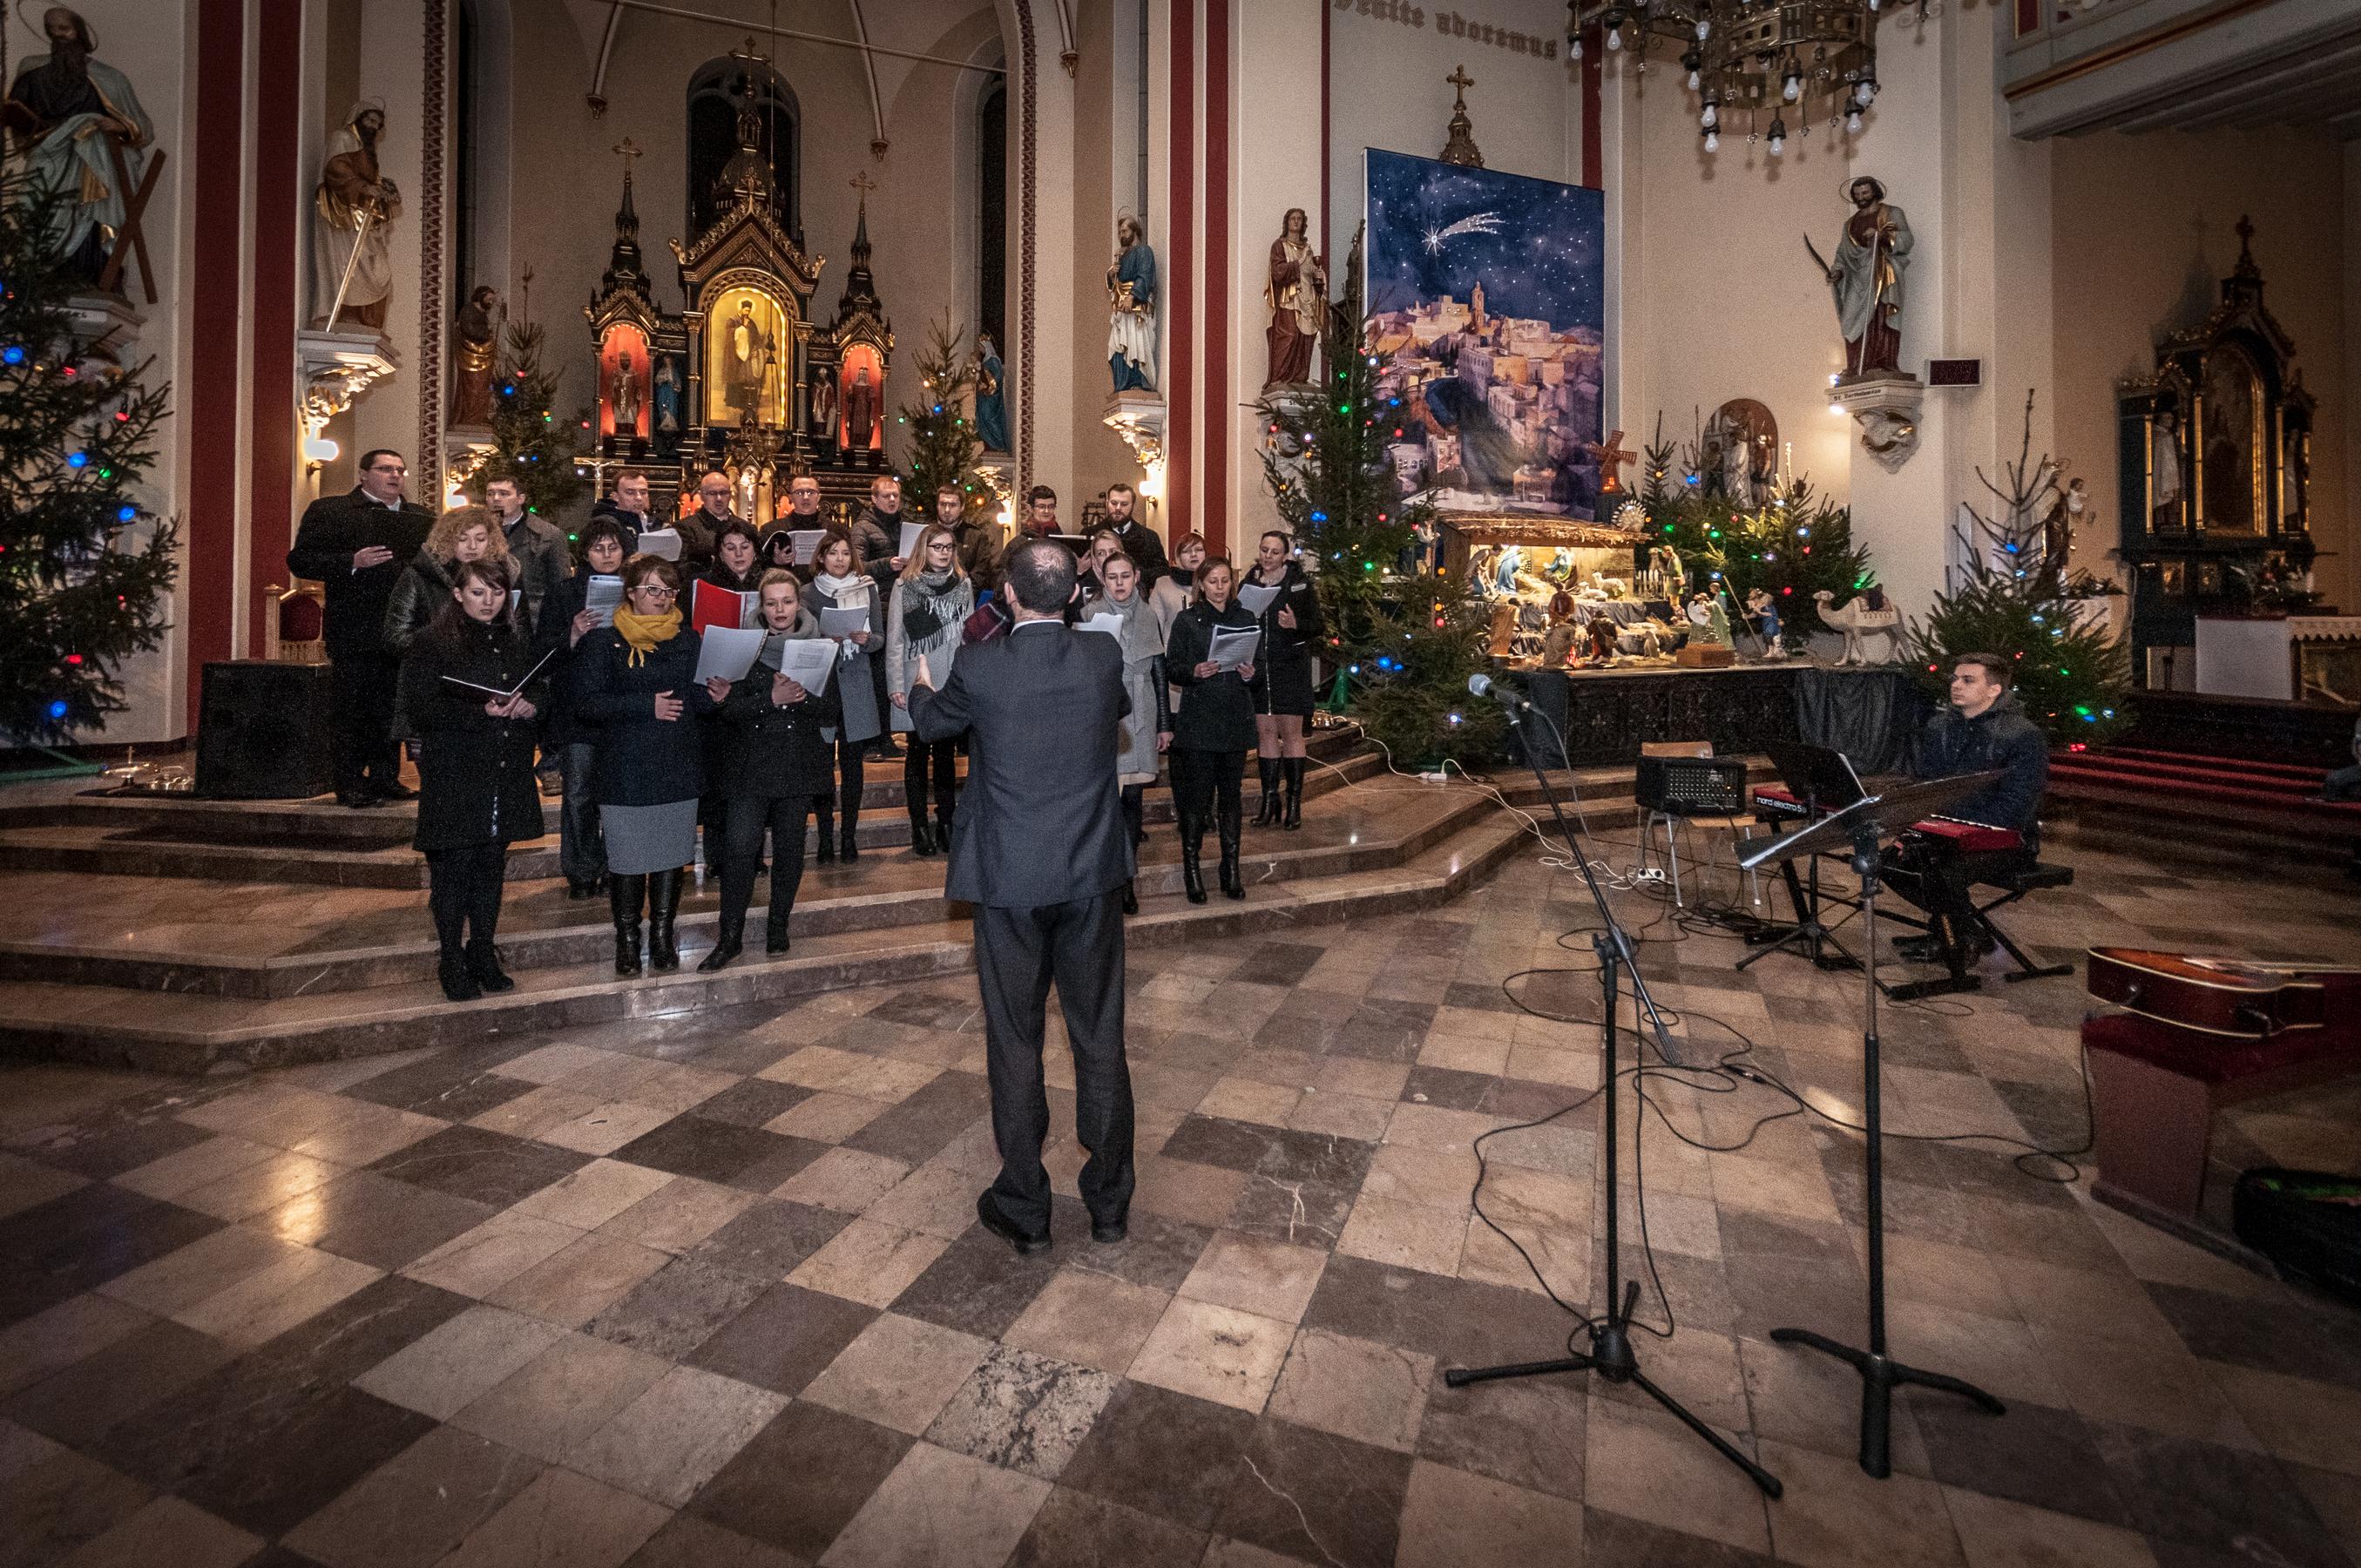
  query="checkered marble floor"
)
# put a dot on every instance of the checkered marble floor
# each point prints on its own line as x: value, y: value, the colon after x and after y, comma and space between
x: 707, y: 1288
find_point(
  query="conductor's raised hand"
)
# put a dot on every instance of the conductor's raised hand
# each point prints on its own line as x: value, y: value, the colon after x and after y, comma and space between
x: 923, y: 678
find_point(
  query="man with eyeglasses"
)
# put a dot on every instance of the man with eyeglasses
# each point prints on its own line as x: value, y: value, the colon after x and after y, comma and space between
x: 356, y: 545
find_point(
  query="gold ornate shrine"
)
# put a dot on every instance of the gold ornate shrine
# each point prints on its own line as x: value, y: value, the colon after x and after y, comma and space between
x: 741, y: 382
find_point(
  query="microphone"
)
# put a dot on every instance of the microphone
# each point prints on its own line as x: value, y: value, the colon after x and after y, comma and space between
x: 1480, y: 685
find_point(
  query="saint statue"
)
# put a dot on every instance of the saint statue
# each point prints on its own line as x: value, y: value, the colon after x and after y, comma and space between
x: 1131, y: 296
x: 67, y: 110
x: 863, y: 411
x: 625, y: 396
x: 823, y: 409
x: 747, y: 357
x: 1298, y: 296
x: 991, y: 395
x: 352, y: 251
x: 667, y: 396
x: 475, y: 357
x: 1737, y: 470
x: 1866, y: 280
x: 2164, y: 472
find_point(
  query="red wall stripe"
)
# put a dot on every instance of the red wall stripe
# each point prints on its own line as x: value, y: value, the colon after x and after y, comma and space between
x: 1179, y: 379
x: 272, y: 472
x: 1219, y: 414
x: 206, y: 397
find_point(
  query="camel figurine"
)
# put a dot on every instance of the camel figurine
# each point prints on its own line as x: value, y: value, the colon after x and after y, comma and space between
x: 1865, y: 615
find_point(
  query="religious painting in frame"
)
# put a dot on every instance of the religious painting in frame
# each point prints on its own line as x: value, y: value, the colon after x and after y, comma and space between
x: 860, y: 400
x: 749, y: 350
x: 1488, y: 300
x: 625, y: 382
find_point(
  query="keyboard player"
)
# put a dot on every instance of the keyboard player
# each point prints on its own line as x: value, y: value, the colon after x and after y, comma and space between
x: 1982, y: 730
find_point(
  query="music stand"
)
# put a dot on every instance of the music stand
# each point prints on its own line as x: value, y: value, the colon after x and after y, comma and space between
x: 1823, y: 779
x: 1861, y: 826
x: 1611, y: 1354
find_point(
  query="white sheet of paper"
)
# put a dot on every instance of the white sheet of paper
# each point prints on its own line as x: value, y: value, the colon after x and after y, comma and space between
x: 1106, y: 621
x: 663, y: 541
x: 807, y: 541
x: 1233, y: 648
x: 1255, y: 597
x: 843, y: 622
x: 727, y: 652
x: 806, y: 661
x: 910, y: 531
x: 604, y: 594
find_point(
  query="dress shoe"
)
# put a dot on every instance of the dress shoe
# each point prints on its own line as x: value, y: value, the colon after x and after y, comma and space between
x: 774, y: 932
x: 1919, y: 949
x: 458, y: 985
x: 1130, y: 898
x: 1108, y: 1231
x: 1001, y: 1225
x: 848, y: 844
x: 359, y: 800
x: 728, y: 943
x: 484, y: 963
x: 396, y: 790
x: 577, y: 890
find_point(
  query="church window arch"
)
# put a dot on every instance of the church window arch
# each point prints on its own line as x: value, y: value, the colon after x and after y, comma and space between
x: 715, y: 92
x: 991, y: 210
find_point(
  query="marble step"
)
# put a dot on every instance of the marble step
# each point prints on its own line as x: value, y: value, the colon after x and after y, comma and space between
x: 180, y: 936
x: 197, y: 1034
x: 320, y: 823
x: 225, y: 841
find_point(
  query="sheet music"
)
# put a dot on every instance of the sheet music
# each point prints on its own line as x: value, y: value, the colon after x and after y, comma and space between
x: 910, y: 531
x: 806, y: 661
x: 1106, y: 621
x: 603, y: 595
x: 1232, y: 648
x: 806, y: 542
x: 1256, y: 599
x: 727, y: 652
x: 495, y: 691
x: 661, y: 541
x: 843, y: 622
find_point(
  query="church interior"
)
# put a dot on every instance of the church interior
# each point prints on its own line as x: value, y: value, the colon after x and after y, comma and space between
x: 1791, y: 994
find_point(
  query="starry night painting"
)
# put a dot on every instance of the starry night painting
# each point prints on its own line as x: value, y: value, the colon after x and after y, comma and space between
x: 1487, y: 297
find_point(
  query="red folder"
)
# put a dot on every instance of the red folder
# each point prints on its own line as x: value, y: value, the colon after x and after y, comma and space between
x: 710, y: 606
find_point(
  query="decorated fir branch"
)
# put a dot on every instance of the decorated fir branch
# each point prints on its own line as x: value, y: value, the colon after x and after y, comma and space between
x: 2019, y: 596
x: 944, y: 444
x: 1793, y: 547
x: 530, y: 442
x: 1401, y: 640
x: 84, y: 566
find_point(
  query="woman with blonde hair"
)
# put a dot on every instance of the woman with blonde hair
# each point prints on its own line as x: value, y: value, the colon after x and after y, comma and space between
x: 1177, y: 589
x: 840, y: 581
x: 463, y: 533
x: 931, y: 603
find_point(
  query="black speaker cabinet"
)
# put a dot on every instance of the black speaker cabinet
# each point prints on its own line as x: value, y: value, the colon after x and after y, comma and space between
x: 263, y: 731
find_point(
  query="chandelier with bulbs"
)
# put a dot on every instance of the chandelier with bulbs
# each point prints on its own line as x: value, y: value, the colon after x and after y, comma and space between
x: 1755, y: 59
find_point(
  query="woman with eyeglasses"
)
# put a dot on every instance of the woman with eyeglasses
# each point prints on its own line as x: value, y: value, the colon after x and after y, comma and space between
x: 1146, y: 734
x: 1282, y: 684
x: 1214, y: 728
x: 635, y: 681
x: 470, y: 695
x: 839, y: 581
x: 931, y: 602
x: 773, y: 763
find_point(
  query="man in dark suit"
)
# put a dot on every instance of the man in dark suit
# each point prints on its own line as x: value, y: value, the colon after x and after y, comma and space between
x: 356, y: 546
x: 1040, y: 850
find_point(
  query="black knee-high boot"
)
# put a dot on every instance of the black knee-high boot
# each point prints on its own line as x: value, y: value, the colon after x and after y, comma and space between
x: 1292, y: 773
x: 824, y: 819
x: 1267, y: 811
x: 913, y: 798
x: 484, y: 919
x: 847, y: 809
x: 1233, y: 813
x: 625, y: 895
x: 664, y: 903
x: 1193, y: 841
x: 1134, y: 820
x: 448, y: 894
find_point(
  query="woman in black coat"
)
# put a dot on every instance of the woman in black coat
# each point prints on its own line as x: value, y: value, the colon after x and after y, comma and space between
x: 774, y: 760
x: 1282, y: 684
x: 1213, y: 728
x: 581, y: 852
x: 477, y: 795
x: 635, y: 683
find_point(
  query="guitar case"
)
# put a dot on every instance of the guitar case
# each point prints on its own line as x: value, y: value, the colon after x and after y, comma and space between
x: 2308, y: 1222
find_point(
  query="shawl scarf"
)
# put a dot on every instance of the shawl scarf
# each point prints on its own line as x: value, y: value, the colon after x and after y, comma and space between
x: 1138, y: 637
x: 854, y: 592
x: 806, y: 626
x: 644, y: 632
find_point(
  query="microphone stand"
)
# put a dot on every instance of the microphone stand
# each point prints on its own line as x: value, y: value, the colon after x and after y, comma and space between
x: 1611, y: 1354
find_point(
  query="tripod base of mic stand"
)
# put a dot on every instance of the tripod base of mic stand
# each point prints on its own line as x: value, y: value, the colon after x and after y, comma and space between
x: 1612, y: 1358
x: 1880, y: 1375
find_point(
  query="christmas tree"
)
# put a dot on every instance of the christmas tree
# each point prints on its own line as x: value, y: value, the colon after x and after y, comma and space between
x: 84, y: 566
x: 944, y: 441
x: 530, y: 442
x: 1401, y: 640
x: 1792, y: 545
x: 2019, y: 596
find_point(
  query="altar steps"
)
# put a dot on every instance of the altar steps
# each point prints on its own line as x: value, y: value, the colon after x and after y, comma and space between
x: 194, y: 975
x: 320, y: 843
x: 2221, y: 811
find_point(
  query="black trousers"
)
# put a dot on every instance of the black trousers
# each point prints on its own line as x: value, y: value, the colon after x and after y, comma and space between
x: 367, y: 756
x: 747, y: 818
x: 463, y: 894
x: 581, y: 848
x: 1199, y: 778
x: 1941, y: 880
x: 939, y: 758
x: 1018, y: 954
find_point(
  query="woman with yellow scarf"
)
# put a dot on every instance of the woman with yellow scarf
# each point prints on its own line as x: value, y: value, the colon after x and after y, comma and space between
x: 636, y: 684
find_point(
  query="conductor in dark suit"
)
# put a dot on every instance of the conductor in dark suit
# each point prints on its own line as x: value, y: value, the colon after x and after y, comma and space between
x: 1040, y: 850
x: 356, y: 545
